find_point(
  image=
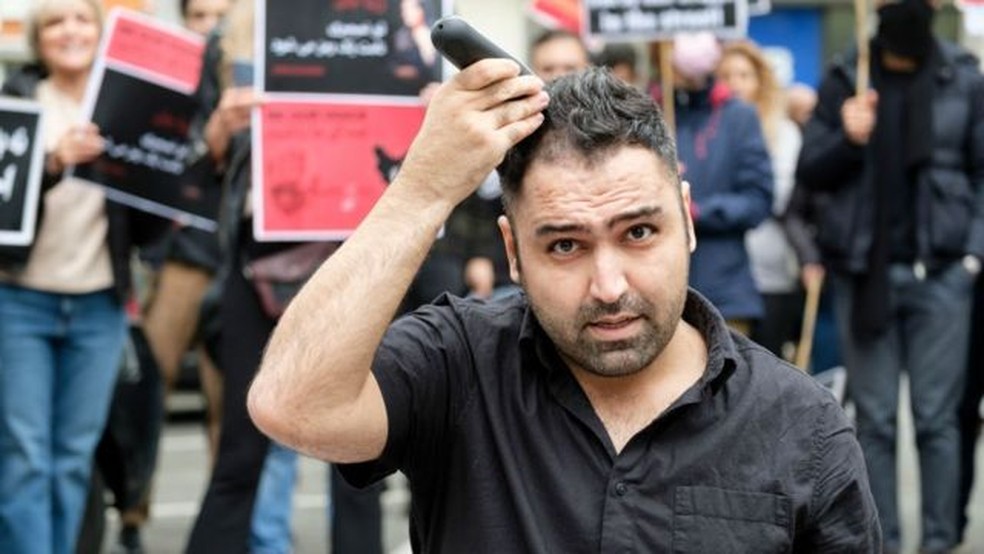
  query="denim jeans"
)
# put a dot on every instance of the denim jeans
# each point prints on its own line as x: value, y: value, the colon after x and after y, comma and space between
x: 928, y: 339
x: 59, y: 358
x: 270, y: 529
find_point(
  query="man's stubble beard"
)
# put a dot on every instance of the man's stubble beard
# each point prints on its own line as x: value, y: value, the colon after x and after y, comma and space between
x: 612, y: 358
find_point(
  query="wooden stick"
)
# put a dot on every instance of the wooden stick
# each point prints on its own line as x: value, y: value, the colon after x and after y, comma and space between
x: 666, y: 83
x: 805, y: 347
x: 864, y: 53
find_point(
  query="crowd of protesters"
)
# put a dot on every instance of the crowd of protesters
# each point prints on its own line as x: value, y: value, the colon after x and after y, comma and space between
x: 876, y: 197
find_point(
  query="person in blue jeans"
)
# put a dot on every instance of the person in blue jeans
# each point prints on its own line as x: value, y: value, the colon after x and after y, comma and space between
x: 62, y: 322
x: 903, y: 238
x: 270, y: 527
x: 353, y: 515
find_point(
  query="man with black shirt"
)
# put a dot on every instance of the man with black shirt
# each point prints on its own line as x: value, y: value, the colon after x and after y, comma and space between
x: 605, y: 409
x: 903, y: 237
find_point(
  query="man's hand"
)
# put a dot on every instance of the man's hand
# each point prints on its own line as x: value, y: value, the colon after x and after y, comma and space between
x: 80, y: 144
x: 471, y: 121
x: 858, y: 117
x: 812, y: 275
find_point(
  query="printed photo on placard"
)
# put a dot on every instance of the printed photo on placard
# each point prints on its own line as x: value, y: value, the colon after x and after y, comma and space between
x: 630, y: 20
x: 21, y: 166
x: 371, y: 47
x: 141, y: 96
x: 324, y: 165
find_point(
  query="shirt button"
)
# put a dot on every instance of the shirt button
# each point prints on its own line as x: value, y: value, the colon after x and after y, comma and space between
x: 621, y: 488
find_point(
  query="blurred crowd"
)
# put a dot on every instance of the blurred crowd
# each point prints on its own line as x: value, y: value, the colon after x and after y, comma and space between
x: 842, y: 229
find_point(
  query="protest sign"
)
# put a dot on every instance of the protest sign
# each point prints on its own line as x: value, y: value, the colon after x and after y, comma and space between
x: 21, y: 166
x: 324, y: 165
x: 558, y: 14
x: 374, y: 47
x: 341, y: 81
x: 652, y: 20
x: 140, y: 96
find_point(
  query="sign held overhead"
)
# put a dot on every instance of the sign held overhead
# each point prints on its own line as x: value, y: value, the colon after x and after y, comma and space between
x: 653, y: 20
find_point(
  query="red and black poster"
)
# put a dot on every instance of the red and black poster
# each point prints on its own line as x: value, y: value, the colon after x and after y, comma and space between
x: 341, y: 81
x: 141, y: 97
x: 21, y: 166
x: 375, y: 47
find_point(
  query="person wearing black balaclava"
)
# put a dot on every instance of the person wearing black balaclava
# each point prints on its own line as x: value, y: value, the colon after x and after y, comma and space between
x: 903, y: 237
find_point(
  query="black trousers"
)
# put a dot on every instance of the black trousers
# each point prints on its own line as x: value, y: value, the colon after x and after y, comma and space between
x: 223, y: 523
x: 970, y: 419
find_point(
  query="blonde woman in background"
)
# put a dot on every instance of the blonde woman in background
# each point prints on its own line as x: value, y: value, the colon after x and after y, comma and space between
x: 62, y: 322
x: 747, y: 72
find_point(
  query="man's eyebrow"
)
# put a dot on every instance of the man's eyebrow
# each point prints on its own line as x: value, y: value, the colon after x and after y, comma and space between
x: 551, y: 229
x: 639, y: 213
x: 559, y: 229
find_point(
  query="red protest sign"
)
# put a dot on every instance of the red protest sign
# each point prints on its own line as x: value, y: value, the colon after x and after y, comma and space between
x: 323, y: 165
x: 166, y: 52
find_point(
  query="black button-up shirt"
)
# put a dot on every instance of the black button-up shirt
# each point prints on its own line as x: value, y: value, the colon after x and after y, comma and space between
x: 505, y: 453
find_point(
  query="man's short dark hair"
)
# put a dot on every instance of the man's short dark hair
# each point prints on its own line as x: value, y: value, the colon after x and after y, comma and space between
x: 591, y: 113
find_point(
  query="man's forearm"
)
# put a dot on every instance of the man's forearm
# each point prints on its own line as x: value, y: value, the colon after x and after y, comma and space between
x: 316, y: 367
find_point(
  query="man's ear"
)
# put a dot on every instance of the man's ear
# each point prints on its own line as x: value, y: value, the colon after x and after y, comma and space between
x: 511, y: 249
x: 688, y: 214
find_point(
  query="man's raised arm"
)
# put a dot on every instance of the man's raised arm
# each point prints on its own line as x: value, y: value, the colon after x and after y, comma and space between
x: 314, y: 391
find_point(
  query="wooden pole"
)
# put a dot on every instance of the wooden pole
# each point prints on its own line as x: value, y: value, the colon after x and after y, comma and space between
x: 805, y: 347
x: 864, y: 53
x: 666, y: 83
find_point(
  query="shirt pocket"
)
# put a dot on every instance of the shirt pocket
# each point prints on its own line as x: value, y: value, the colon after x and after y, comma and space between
x: 721, y: 521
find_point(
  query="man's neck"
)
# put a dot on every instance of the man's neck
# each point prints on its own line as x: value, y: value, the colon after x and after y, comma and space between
x: 626, y: 405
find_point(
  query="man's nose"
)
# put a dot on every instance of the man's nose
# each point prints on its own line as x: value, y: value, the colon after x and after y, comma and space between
x: 608, y: 282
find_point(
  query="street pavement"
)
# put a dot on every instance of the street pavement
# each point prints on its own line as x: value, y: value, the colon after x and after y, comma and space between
x: 184, y: 467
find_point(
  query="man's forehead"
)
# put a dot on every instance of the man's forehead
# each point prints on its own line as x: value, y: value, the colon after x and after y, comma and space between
x: 560, y: 176
x: 557, y: 154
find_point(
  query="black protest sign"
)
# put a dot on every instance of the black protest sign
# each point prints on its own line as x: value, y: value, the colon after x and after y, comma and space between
x: 365, y: 47
x: 140, y: 96
x: 653, y: 20
x: 145, y: 164
x: 21, y: 166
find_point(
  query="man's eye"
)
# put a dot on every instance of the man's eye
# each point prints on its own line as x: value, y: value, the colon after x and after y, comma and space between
x: 563, y: 246
x: 640, y: 232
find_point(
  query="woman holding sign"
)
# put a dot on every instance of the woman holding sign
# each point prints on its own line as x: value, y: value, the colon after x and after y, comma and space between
x: 62, y: 323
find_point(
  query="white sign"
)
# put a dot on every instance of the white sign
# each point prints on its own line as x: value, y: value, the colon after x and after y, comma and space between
x: 652, y: 20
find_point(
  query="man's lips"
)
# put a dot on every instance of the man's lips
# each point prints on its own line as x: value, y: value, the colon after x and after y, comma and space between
x: 614, y: 327
x: 613, y: 322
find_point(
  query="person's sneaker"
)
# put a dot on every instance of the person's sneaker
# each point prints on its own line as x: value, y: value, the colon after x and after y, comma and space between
x: 129, y: 541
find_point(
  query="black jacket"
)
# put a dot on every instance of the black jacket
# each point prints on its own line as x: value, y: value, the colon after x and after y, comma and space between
x: 949, y: 194
x: 127, y: 227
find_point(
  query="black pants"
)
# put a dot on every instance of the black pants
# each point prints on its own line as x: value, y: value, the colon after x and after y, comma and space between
x: 782, y: 321
x: 223, y: 523
x: 970, y: 419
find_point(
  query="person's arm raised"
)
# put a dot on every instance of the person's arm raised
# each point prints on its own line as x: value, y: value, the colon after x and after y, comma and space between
x: 314, y: 391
